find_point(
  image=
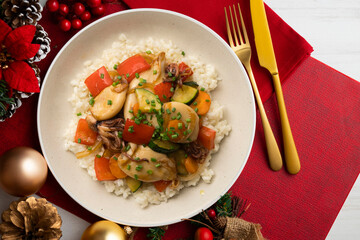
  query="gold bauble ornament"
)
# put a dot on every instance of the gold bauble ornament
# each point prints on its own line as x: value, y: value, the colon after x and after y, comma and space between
x: 23, y: 171
x: 104, y: 230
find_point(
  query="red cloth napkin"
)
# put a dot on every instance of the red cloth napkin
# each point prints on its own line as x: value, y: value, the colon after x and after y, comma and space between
x: 323, y: 110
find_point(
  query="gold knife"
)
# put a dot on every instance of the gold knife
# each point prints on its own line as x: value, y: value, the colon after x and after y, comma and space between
x: 267, y: 60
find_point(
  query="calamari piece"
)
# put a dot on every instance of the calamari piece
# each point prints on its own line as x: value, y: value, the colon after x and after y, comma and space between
x: 186, y: 116
x: 109, y: 102
x: 149, y: 166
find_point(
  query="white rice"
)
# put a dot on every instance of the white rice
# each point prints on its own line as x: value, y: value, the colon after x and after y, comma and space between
x: 204, y: 74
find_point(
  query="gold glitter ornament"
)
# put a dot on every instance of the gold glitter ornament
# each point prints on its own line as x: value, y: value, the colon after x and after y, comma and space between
x: 31, y: 218
x: 23, y: 171
x: 104, y: 230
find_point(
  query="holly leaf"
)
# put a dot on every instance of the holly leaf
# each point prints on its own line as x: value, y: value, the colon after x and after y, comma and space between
x: 21, y: 76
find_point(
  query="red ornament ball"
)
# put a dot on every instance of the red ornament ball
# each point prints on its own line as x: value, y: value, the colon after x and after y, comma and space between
x: 76, y: 23
x: 211, y: 213
x: 52, y: 5
x: 65, y: 25
x: 93, y: 3
x: 85, y: 16
x: 63, y: 9
x: 79, y: 8
x: 99, y: 10
x: 203, y: 233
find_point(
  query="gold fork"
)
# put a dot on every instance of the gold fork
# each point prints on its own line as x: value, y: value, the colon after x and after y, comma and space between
x: 243, y: 50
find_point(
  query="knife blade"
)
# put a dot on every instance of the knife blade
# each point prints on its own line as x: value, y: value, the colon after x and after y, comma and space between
x: 266, y: 56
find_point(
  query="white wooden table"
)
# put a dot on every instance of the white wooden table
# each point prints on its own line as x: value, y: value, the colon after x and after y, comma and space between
x: 332, y: 27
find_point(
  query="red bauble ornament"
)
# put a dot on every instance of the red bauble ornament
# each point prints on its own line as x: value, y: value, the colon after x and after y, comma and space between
x: 203, y: 233
x: 52, y: 5
x: 99, y: 10
x: 93, y: 3
x: 65, y: 25
x: 63, y: 9
x: 76, y: 23
x: 79, y: 8
x: 211, y: 213
x: 85, y: 16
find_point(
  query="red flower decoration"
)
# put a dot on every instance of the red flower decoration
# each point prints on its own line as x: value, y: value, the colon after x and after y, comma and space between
x: 16, y: 46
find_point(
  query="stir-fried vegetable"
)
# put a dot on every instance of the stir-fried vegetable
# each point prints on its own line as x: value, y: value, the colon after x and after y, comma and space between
x: 84, y: 134
x: 102, y: 169
x: 185, y: 71
x: 97, y: 81
x: 132, y: 66
x: 161, y: 185
x: 201, y: 104
x: 207, y: 137
x: 164, y: 90
x: 115, y: 169
x: 137, y: 133
x: 191, y: 165
x: 89, y: 150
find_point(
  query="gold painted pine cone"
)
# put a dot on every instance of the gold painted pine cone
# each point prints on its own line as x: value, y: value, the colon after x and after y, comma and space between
x: 31, y: 219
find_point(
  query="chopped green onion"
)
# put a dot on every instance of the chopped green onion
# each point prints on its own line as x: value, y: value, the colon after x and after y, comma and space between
x: 131, y: 129
x: 195, y: 103
x: 139, y: 167
x: 183, y: 53
x: 92, y: 101
x: 202, y: 89
x: 148, y: 52
x: 188, y: 120
x: 173, y: 117
x: 136, y: 176
x: 172, y: 89
x: 180, y: 126
x: 78, y: 114
x: 131, y: 111
x: 109, y: 102
x: 120, y: 134
x: 158, y: 165
x: 174, y: 136
x: 153, y: 159
x: 115, y: 158
x: 196, y: 109
x: 119, y: 77
x: 98, y: 156
x: 102, y: 76
x: 186, y: 155
x: 115, y: 66
x: 207, y: 100
x: 155, y: 72
x: 89, y: 148
x: 127, y: 148
x: 137, y: 75
x: 164, y: 96
x: 127, y: 75
x: 137, y: 159
x: 143, y: 80
x: 115, y: 83
x: 169, y: 74
x: 149, y: 172
x: 137, y: 121
x: 140, y: 84
x: 128, y: 167
x: 147, y: 101
x: 79, y: 140
x: 168, y: 111
x: 174, y: 109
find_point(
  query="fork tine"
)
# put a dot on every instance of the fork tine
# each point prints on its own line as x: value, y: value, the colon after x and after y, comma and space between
x: 233, y: 26
x: 237, y: 25
x: 243, y: 25
x: 228, y: 29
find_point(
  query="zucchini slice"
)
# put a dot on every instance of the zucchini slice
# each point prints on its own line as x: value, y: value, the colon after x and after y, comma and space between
x: 133, y: 184
x: 163, y: 146
x: 147, y: 100
x: 185, y: 94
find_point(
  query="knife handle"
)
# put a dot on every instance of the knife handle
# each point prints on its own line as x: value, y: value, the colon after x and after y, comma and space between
x: 290, y: 152
x: 274, y: 155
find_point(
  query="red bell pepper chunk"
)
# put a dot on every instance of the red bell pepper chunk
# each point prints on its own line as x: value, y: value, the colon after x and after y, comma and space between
x: 98, y: 80
x: 102, y: 169
x: 185, y: 71
x: 131, y: 66
x: 163, y: 90
x: 207, y: 137
x: 84, y: 134
x: 137, y: 133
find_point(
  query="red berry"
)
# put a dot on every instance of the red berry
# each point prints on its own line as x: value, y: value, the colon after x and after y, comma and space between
x: 63, y: 9
x: 211, y: 213
x: 52, y: 5
x: 99, y: 10
x: 79, y: 8
x: 65, y: 25
x: 76, y: 23
x: 85, y: 16
x: 203, y: 233
x: 93, y: 3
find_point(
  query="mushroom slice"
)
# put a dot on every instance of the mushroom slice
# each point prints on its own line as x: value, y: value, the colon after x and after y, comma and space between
x: 148, y: 166
x: 186, y: 116
x: 108, y: 103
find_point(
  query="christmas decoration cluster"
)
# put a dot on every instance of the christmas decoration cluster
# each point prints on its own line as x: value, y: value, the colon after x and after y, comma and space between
x: 18, y: 71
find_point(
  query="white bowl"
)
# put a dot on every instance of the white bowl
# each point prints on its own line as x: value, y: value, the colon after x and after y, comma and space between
x: 234, y: 92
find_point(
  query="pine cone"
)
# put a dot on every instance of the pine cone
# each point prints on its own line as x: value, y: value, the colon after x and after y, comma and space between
x: 41, y: 37
x: 32, y: 219
x: 21, y: 12
x: 11, y: 109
